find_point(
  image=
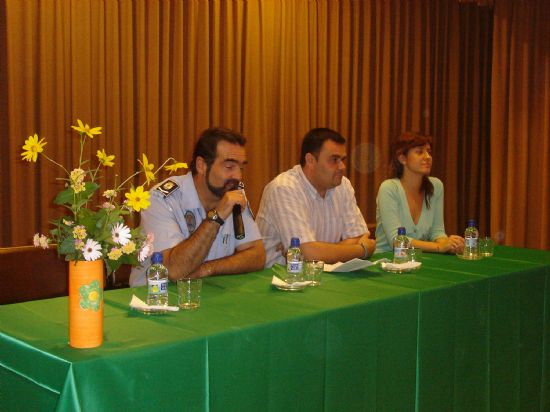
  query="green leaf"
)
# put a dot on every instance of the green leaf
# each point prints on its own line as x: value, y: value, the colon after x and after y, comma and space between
x: 111, y: 265
x: 67, y: 196
x: 91, y: 187
x: 64, y: 197
x: 66, y: 246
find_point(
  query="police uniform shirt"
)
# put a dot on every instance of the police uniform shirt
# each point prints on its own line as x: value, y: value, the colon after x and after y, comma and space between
x: 176, y: 212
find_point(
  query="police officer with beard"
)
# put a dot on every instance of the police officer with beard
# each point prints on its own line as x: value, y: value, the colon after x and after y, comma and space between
x: 191, y: 216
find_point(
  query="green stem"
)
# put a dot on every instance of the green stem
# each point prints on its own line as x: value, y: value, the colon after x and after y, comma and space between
x: 127, y: 180
x: 95, y: 172
x: 55, y: 163
x: 82, y: 141
x: 166, y: 161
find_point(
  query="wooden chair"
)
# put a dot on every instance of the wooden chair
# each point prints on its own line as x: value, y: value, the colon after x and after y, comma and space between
x: 30, y: 273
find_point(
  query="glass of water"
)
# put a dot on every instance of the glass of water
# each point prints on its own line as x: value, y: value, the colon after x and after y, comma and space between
x: 313, y: 271
x: 414, y: 254
x: 189, y: 293
x: 486, y: 246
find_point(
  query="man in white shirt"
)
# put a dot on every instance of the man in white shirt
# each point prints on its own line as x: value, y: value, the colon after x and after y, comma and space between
x: 315, y: 202
x: 191, y: 215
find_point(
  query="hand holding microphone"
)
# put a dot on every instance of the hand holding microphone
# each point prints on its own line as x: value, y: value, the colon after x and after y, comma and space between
x: 238, y: 225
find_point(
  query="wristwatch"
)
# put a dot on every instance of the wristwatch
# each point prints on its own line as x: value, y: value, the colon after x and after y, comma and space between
x: 214, y: 217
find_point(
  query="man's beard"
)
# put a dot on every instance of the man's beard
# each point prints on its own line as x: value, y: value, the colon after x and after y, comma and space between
x: 229, y: 184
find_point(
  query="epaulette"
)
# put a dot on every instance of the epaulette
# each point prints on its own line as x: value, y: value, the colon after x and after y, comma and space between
x: 168, y: 187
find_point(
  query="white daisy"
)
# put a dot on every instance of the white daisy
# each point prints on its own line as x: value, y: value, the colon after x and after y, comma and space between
x: 121, y: 234
x: 92, y: 250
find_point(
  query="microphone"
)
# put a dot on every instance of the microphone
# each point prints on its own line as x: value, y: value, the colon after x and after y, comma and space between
x: 238, y: 226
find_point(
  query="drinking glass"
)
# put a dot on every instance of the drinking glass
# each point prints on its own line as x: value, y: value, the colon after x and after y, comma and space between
x: 414, y: 254
x: 486, y: 246
x: 313, y: 271
x: 189, y: 293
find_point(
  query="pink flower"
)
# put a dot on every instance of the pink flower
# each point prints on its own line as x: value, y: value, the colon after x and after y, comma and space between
x: 145, y: 252
x: 42, y: 241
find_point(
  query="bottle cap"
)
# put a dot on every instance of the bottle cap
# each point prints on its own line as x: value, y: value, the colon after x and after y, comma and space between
x: 401, y: 231
x: 295, y: 242
x: 156, y: 258
x: 471, y: 222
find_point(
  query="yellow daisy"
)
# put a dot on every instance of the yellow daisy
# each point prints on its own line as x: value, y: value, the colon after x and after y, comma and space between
x: 129, y: 247
x: 138, y: 199
x: 115, y: 253
x: 87, y: 130
x: 104, y: 159
x: 173, y: 167
x: 148, y: 169
x: 32, y: 147
x: 79, y: 232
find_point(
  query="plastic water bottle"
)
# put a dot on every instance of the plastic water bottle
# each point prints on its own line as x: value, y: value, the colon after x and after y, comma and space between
x: 471, y: 236
x: 294, y: 262
x: 401, y: 246
x: 157, y: 281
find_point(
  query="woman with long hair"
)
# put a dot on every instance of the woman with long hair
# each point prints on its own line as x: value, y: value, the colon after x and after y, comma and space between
x: 413, y: 199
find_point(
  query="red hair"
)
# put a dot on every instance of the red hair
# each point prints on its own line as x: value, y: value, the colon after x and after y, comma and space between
x: 401, y: 146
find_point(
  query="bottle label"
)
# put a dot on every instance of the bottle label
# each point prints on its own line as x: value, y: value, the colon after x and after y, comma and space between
x: 400, y: 252
x: 158, y: 287
x: 294, y: 266
x: 470, y: 242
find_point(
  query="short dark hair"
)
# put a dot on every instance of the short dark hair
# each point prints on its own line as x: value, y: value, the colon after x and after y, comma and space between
x: 207, y: 145
x: 314, y: 139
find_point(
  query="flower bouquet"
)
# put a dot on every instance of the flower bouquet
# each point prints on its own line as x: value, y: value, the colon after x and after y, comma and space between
x: 93, y: 231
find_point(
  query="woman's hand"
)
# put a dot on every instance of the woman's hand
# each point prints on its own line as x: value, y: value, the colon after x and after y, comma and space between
x: 451, y: 244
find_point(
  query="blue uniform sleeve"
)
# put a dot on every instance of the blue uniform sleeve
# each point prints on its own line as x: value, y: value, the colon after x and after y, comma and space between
x: 160, y: 219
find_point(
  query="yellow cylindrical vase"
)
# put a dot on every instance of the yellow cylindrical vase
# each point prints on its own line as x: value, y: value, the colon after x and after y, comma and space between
x: 86, y: 303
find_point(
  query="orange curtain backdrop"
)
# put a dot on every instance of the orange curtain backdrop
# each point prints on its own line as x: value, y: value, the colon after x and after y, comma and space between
x: 520, y: 123
x: 154, y: 74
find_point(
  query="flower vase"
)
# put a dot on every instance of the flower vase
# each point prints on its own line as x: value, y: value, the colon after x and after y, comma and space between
x: 86, y: 303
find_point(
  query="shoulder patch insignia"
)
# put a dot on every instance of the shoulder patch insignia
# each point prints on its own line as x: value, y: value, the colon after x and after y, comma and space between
x: 168, y: 187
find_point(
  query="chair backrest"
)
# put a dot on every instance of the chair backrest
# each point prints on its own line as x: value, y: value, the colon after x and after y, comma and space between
x: 30, y: 273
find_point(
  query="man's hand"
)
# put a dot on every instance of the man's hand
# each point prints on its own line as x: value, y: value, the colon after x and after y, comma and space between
x: 230, y: 199
x: 368, y: 244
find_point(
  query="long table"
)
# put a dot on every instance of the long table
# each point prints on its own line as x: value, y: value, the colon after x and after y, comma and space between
x: 455, y: 335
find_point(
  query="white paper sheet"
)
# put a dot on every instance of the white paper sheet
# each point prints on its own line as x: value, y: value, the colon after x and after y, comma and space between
x: 276, y: 281
x: 351, y: 265
x: 401, y: 266
x: 137, y: 303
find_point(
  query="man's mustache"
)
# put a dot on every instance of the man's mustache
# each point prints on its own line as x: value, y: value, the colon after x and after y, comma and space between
x: 233, y: 184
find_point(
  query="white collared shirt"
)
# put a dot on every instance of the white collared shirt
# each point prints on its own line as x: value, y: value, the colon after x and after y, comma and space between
x: 292, y: 207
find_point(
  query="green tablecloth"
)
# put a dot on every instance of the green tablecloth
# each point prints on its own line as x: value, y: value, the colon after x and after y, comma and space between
x: 456, y: 335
